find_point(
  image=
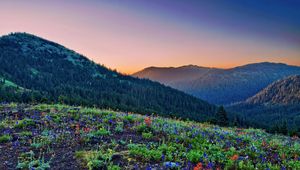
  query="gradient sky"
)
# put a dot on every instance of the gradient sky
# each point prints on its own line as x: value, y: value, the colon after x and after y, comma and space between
x: 129, y: 35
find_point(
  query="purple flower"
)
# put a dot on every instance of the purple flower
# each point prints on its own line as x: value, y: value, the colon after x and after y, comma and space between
x: 210, y: 165
x: 48, y: 117
x: 7, y: 131
x: 171, y: 164
x: 205, y: 155
x: 16, y: 144
x: 189, y: 164
x: 163, y: 157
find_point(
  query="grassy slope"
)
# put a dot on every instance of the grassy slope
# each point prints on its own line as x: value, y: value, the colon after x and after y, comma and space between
x: 59, y: 136
x: 12, y: 84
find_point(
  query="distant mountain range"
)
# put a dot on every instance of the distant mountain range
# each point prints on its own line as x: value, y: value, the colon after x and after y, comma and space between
x: 278, y: 102
x: 33, y: 69
x: 220, y: 86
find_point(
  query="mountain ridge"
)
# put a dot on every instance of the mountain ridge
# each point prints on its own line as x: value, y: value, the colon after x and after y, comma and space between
x: 284, y: 91
x: 57, y: 74
x: 199, y: 66
x: 222, y: 86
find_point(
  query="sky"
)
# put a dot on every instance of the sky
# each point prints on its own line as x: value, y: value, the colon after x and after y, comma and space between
x: 129, y: 35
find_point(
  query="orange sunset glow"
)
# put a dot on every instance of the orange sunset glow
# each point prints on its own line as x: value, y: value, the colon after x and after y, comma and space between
x: 130, y: 39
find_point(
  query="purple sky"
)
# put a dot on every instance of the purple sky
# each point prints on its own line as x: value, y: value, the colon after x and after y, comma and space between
x: 129, y: 35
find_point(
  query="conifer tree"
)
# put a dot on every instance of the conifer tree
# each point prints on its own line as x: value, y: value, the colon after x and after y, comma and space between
x: 222, y: 118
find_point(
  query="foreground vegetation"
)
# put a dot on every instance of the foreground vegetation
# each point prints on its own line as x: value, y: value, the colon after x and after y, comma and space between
x: 65, y: 137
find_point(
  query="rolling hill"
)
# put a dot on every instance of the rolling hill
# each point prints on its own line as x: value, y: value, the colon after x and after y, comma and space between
x: 220, y: 86
x: 276, y: 104
x: 52, y: 73
x: 283, y: 92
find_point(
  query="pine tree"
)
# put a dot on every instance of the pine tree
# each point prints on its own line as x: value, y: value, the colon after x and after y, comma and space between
x: 222, y: 118
x: 284, y: 128
x: 235, y: 121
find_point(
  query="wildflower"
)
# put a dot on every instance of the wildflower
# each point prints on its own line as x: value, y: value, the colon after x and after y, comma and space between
x: 77, y: 129
x: 8, y: 131
x: 16, y: 144
x: 189, y: 164
x: 86, y: 130
x: 210, y: 165
x: 162, y: 157
x: 168, y: 164
x: 264, y: 143
x: 148, y: 121
x: 283, y: 156
x: 234, y: 157
x: 198, y: 166
x: 171, y: 164
x: 48, y: 117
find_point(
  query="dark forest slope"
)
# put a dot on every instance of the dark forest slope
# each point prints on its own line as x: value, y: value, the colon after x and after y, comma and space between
x: 45, y: 71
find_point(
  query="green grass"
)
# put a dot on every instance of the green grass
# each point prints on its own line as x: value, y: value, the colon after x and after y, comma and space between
x: 12, y: 84
x: 5, y: 138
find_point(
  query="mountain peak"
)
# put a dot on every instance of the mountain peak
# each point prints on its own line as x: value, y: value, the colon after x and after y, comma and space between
x: 24, y: 37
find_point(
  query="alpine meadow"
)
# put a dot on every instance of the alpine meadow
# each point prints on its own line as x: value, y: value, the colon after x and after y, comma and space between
x: 150, y: 85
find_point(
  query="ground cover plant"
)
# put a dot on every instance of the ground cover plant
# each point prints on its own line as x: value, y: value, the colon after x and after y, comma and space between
x: 65, y: 137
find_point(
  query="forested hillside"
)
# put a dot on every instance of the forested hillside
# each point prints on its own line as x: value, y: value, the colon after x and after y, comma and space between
x: 43, y: 71
x: 275, y: 108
